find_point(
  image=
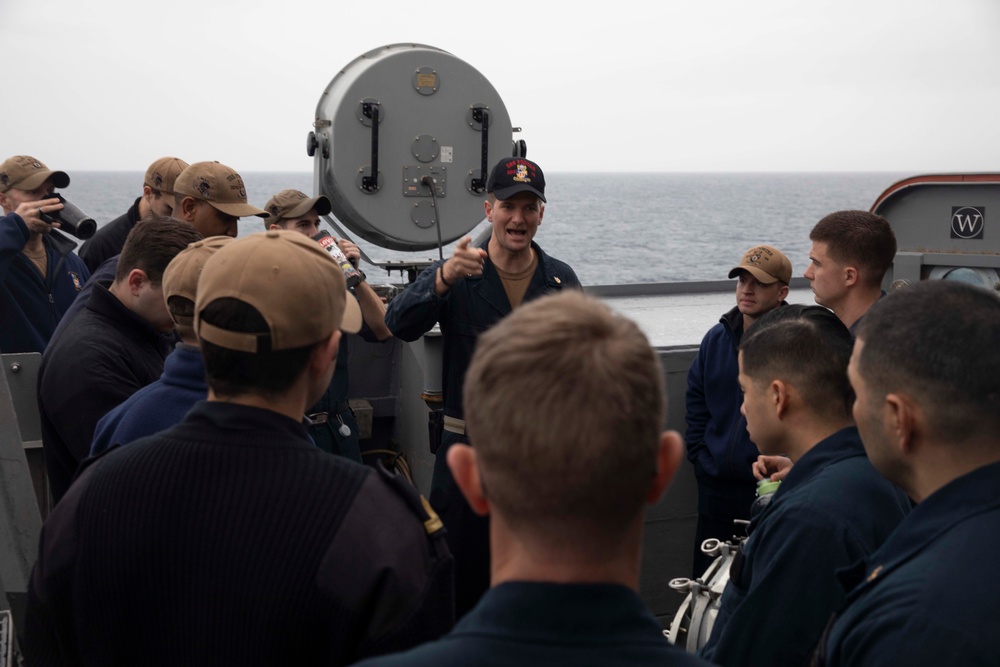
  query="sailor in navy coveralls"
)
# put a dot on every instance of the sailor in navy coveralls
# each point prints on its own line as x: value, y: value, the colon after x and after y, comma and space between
x: 467, y: 294
x: 926, y: 369
x: 830, y: 510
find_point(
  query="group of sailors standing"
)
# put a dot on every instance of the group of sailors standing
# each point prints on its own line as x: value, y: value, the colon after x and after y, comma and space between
x: 880, y: 427
x: 199, y: 517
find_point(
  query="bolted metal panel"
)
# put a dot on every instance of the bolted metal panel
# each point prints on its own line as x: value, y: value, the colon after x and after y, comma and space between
x: 20, y: 518
x: 429, y: 108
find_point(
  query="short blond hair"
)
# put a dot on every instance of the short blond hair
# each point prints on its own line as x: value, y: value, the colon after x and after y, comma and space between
x: 564, y: 404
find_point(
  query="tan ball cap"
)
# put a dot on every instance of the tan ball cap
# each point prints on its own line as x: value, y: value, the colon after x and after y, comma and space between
x: 269, y: 271
x: 26, y: 173
x: 295, y: 204
x: 163, y: 173
x: 181, y: 276
x: 765, y: 263
x: 219, y: 185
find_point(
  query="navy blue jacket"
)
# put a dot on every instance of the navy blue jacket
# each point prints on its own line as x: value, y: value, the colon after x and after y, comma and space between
x: 156, y: 406
x: 104, y: 355
x: 531, y: 623
x: 469, y: 308
x: 110, y: 238
x: 832, y: 509
x: 30, y: 305
x: 717, y: 440
x: 104, y: 275
x: 929, y: 595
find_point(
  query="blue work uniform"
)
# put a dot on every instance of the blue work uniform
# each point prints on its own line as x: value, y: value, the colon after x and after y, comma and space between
x: 537, y: 623
x: 928, y: 596
x: 832, y: 509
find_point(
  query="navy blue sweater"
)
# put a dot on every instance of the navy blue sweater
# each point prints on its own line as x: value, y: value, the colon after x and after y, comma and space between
x: 103, y: 356
x: 230, y: 539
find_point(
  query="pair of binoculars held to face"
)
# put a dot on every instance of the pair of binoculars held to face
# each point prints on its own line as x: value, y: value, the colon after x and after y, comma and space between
x: 71, y: 219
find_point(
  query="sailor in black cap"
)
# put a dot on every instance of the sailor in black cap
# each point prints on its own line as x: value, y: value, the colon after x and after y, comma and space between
x: 467, y: 294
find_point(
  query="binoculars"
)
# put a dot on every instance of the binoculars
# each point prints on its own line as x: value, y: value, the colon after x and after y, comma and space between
x: 71, y: 219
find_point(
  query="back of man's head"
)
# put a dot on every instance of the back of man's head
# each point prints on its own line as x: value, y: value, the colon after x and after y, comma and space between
x: 256, y: 333
x: 162, y: 174
x: 807, y: 347
x: 151, y: 245
x: 565, y: 405
x: 937, y: 342
x: 860, y: 239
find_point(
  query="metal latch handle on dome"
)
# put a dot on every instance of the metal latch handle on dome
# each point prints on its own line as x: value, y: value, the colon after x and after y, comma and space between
x: 371, y: 110
x: 482, y: 116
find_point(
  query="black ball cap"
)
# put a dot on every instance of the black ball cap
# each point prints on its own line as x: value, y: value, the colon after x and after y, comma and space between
x: 516, y: 174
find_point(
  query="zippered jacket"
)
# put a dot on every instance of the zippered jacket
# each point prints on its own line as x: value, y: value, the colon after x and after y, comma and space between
x: 469, y: 308
x: 717, y: 440
x: 31, y: 305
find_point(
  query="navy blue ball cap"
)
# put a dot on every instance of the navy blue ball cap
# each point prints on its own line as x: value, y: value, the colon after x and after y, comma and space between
x: 516, y: 174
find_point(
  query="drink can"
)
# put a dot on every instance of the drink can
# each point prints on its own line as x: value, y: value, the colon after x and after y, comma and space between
x: 329, y: 243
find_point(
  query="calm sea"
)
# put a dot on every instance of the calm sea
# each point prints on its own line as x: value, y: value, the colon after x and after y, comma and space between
x: 612, y: 228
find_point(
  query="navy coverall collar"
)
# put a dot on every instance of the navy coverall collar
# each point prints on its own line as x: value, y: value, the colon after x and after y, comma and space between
x: 970, y: 495
x: 549, y: 611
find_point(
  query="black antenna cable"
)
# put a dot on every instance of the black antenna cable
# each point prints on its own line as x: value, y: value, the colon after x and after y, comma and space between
x: 429, y: 182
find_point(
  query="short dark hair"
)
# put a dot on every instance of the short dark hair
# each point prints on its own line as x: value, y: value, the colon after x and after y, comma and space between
x: 860, y: 239
x: 564, y: 403
x: 809, y: 347
x: 151, y: 245
x: 233, y: 373
x: 937, y: 341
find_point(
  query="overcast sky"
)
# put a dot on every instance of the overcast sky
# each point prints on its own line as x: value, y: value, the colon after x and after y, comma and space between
x: 624, y: 85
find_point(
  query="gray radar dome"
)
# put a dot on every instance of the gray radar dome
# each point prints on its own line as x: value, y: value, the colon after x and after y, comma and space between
x: 405, y: 136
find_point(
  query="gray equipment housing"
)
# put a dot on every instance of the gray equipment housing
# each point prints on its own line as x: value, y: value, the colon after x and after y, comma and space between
x: 947, y: 227
x: 392, y: 117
